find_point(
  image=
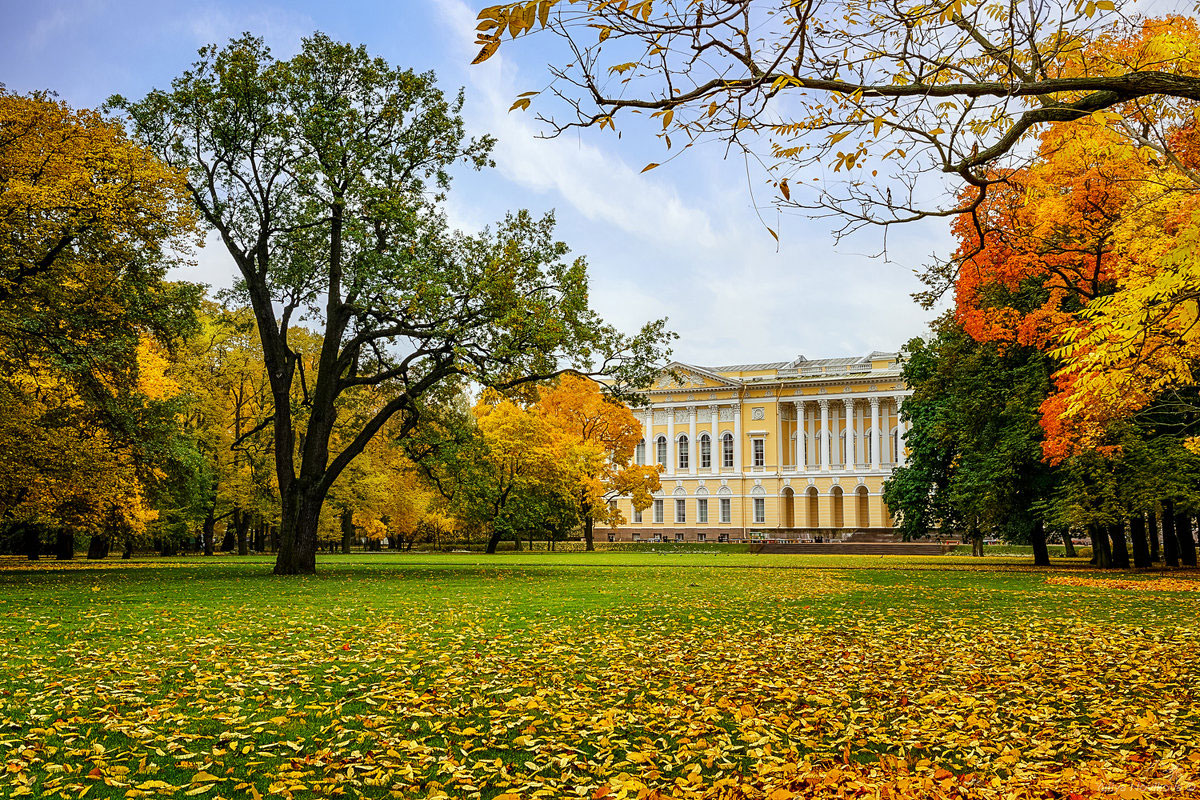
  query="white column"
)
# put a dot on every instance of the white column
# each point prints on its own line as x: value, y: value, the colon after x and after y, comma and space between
x: 671, y: 442
x: 737, y: 437
x: 801, y: 455
x: 778, y: 437
x: 693, y: 445
x: 648, y: 435
x: 900, y: 428
x: 714, y: 442
x: 848, y: 463
x: 824, y: 434
x: 876, y: 442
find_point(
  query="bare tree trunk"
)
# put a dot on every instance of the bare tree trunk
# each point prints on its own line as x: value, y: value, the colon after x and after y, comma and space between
x: 1152, y: 535
x: 1041, y: 555
x: 1187, y: 542
x: 98, y: 547
x: 1101, y: 555
x: 241, y: 524
x: 64, y: 544
x: 588, y: 523
x: 347, y: 523
x: 208, y: 531
x: 1068, y: 544
x: 1141, y: 549
x: 298, y: 535
x: 1120, y: 550
x: 1170, y: 543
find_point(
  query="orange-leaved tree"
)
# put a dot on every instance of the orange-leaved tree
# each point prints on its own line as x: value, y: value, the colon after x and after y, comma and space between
x: 603, y: 434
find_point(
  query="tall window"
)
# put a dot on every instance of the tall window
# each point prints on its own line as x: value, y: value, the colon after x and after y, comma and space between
x: 760, y: 510
x: 658, y: 510
x: 867, y: 444
x: 639, y: 454
x: 896, y: 446
x: 637, y: 515
x: 726, y: 509
x: 705, y: 451
x: 683, y: 452
x: 681, y: 510
x: 660, y: 447
x: 760, y: 452
x: 727, y: 450
x: 702, y: 510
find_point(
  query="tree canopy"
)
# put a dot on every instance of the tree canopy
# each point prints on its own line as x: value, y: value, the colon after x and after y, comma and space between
x: 323, y: 175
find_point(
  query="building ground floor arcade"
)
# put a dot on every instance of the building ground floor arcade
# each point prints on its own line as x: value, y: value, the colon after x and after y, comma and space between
x: 753, y: 508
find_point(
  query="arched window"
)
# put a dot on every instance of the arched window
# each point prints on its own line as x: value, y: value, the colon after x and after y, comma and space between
x: 760, y: 505
x: 682, y: 449
x: 660, y: 448
x: 639, y: 453
x: 844, y: 441
x: 868, y: 444
x: 727, y: 450
x: 705, y: 451
x: 725, y: 505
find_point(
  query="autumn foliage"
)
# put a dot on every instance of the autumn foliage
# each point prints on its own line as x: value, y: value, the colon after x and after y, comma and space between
x: 1089, y: 253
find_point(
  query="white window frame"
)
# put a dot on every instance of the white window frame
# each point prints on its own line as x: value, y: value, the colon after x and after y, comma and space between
x: 705, y: 451
x: 680, y: 511
x: 637, y: 515
x: 758, y: 447
x: 725, y: 505
x: 702, y: 509
x: 760, y: 510
x: 701, y: 537
x: 639, y: 452
x: 727, y: 450
x: 682, y: 451
x: 658, y: 509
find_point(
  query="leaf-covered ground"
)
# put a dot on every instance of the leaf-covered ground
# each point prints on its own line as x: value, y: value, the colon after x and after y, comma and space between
x: 622, y: 676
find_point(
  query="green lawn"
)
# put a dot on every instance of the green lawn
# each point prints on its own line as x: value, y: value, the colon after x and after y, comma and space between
x: 572, y: 674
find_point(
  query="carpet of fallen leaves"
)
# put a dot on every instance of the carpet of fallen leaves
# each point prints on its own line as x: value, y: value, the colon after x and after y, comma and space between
x: 609, y: 683
x: 1151, y: 585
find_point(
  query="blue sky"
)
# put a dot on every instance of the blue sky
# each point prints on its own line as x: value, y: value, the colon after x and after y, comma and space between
x: 682, y: 241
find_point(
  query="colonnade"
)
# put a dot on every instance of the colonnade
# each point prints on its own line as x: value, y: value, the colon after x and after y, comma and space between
x: 825, y: 435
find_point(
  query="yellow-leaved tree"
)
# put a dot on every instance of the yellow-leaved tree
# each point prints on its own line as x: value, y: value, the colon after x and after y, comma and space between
x: 601, y: 435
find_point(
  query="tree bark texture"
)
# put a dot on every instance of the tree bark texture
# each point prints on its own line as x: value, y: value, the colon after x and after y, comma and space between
x: 1152, y: 535
x: 1101, y: 555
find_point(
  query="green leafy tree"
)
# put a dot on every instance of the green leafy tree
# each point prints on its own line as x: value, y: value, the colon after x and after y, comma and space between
x: 975, y: 444
x: 322, y: 175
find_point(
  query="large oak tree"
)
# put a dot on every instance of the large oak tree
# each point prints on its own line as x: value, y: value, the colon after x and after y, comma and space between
x: 322, y: 175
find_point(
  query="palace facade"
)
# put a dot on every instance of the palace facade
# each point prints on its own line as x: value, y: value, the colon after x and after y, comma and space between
x: 790, y: 450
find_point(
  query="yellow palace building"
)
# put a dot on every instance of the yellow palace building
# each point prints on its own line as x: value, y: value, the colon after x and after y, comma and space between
x: 791, y: 450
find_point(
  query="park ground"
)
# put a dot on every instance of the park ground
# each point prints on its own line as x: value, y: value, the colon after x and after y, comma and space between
x: 598, y: 675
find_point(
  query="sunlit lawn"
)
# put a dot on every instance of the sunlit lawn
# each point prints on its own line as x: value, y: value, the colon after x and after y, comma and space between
x: 592, y: 675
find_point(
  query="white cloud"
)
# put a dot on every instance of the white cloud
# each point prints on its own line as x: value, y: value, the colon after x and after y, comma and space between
x: 706, y: 261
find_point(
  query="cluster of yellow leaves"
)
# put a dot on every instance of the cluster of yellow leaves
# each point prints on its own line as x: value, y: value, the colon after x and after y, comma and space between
x: 728, y: 686
x: 1149, y: 585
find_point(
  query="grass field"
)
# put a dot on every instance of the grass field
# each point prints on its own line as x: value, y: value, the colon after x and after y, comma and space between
x: 596, y: 675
